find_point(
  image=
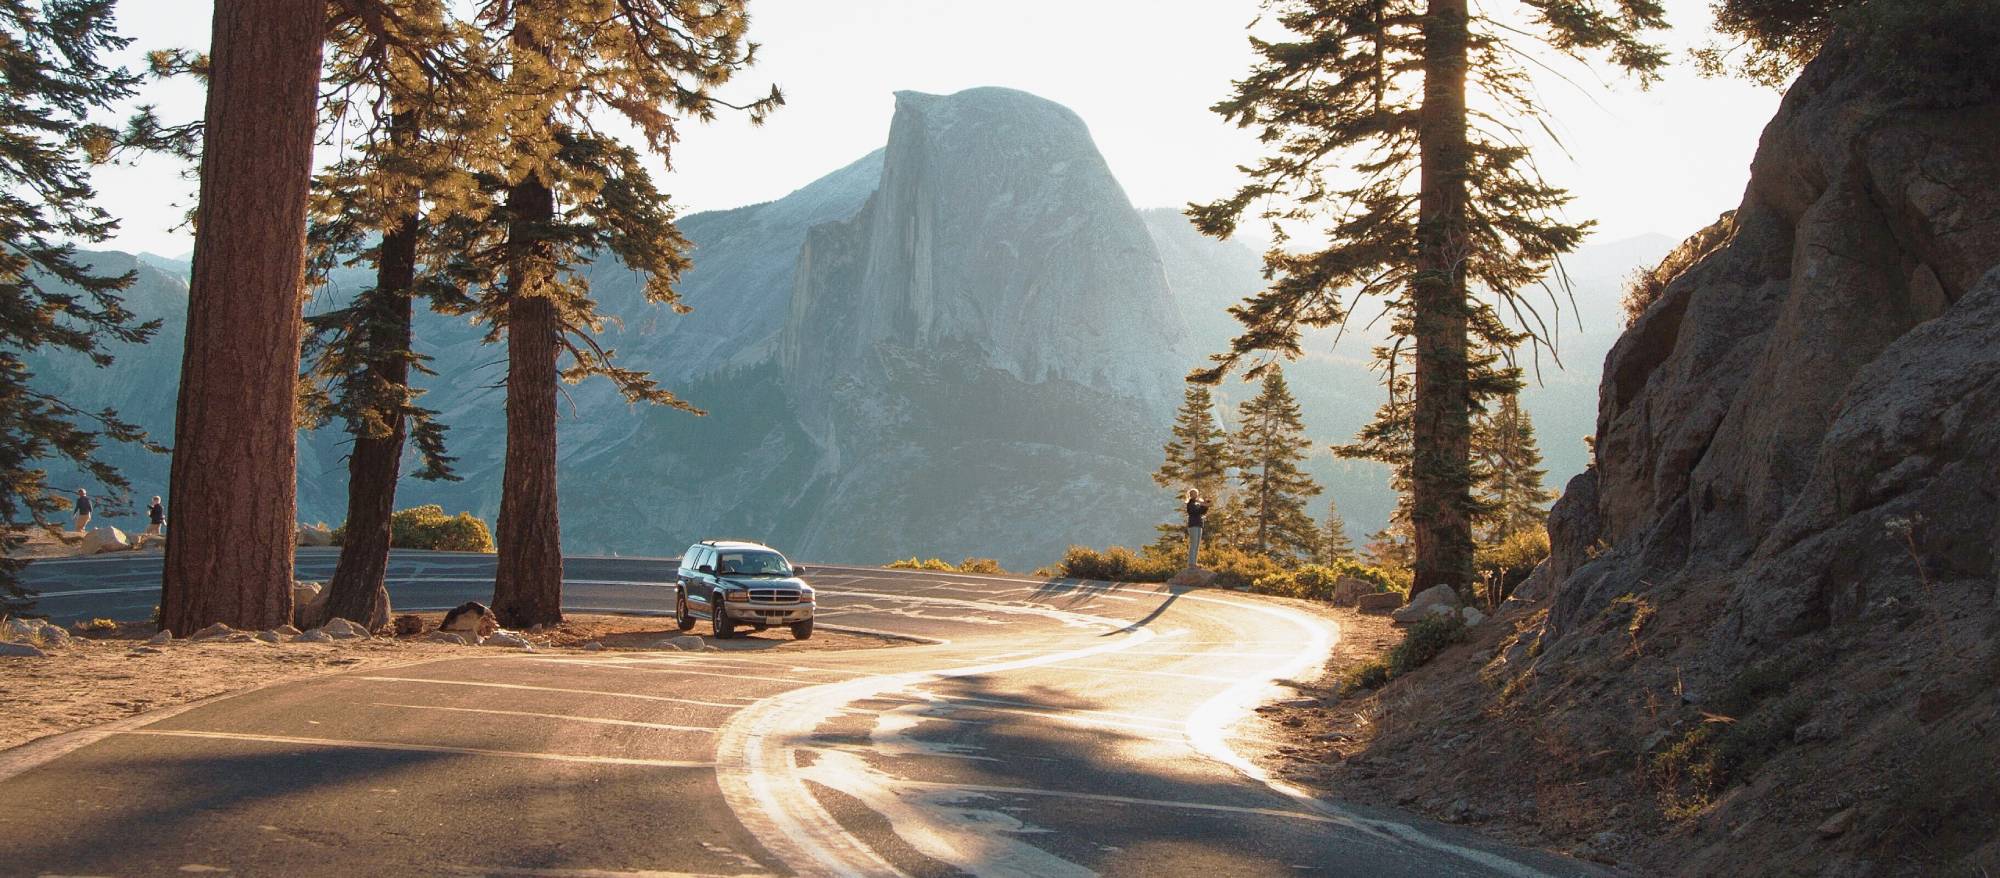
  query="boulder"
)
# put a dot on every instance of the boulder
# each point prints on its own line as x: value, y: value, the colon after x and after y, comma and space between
x: 308, y: 603
x: 317, y: 635
x: 685, y: 642
x: 315, y: 535
x: 104, y: 539
x: 20, y: 650
x: 1472, y: 615
x: 444, y: 637
x: 212, y: 632
x: 19, y: 629
x: 161, y: 639
x: 1427, y: 603
x: 344, y: 629
x: 270, y: 636
x: 471, y: 619
x: 1347, y: 590
x: 509, y: 639
x: 1378, y: 602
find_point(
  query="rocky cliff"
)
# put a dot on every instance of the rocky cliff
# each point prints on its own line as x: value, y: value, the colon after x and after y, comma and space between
x: 1766, y: 642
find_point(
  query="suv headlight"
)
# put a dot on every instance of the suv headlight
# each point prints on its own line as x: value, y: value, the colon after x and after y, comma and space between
x: 736, y: 597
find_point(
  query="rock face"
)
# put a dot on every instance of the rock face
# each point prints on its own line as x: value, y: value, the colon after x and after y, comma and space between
x: 1825, y: 371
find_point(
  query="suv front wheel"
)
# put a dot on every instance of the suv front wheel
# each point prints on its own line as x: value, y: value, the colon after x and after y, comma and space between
x: 724, y: 628
x: 802, y: 630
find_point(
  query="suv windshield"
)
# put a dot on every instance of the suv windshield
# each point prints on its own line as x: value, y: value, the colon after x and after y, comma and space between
x: 752, y: 564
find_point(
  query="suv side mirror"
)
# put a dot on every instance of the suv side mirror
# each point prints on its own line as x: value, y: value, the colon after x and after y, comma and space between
x: 798, y: 571
x: 705, y: 569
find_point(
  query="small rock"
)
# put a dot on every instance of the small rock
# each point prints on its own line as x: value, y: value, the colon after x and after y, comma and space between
x: 1378, y: 602
x: 212, y: 632
x: 146, y: 650
x: 270, y: 636
x: 287, y: 630
x: 1654, y: 740
x: 18, y: 629
x: 711, y: 648
x: 1299, y: 702
x: 344, y: 629
x: 234, y: 637
x: 317, y: 635
x: 162, y: 638
x: 1838, y: 824
x: 689, y: 642
x: 20, y: 650
x: 444, y: 637
x: 593, y: 646
x: 509, y: 639
x: 1472, y: 615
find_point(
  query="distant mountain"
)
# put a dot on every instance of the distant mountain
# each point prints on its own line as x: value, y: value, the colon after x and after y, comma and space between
x: 965, y: 343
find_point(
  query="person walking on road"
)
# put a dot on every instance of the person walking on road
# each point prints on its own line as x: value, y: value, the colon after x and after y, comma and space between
x: 82, y: 511
x: 156, y: 517
x: 1196, y: 510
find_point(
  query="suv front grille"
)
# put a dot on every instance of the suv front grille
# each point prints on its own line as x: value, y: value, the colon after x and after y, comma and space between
x: 774, y: 595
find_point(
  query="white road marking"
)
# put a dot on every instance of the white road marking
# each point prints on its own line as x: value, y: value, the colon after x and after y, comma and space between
x: 632, y: 666
x: 549, y: 689
x: 595, y: 720
x: 1206, y: 678
x: 419, y: 748
x: 588, y: 873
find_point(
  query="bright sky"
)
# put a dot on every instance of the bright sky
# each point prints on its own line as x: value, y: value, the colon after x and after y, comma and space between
x: 1141, y: 73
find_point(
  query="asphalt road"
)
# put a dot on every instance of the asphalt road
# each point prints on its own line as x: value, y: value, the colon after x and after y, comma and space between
x: 1054, y: 729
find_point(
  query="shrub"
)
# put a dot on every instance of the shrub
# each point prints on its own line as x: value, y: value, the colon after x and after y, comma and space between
x: 1116, y: 564
x: 914, y: 563
x: 981, y: 565
x: 98, y: 624
x: 1316, y: 581
x: 1236, y: 568
x: 1505, y: 564
x: 428, y: 527
x: 1423, y: 642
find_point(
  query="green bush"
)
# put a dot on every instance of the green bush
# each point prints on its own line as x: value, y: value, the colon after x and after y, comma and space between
x: 428, y: 527
x: 1235, y: 568
x: 1116, y: 564
x: 1424, y: 641
x: 1315, y: 582
x: 981, y: 565
x: 915, y: 563
x: 1505, y: 564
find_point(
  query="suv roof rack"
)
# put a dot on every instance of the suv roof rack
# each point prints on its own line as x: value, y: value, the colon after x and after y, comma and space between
x: 729, y: 540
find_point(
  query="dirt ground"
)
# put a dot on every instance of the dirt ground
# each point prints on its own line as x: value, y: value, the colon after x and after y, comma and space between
x: 104, y: 676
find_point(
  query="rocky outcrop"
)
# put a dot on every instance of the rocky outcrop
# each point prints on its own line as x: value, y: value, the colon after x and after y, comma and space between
x: 1826, y: 370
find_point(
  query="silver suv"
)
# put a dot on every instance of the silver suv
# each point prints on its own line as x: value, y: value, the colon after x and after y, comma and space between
x: 732, y: 583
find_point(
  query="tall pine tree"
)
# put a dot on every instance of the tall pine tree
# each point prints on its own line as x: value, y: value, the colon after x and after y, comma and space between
x: 1269, y: 444
x: 567, y: 193
x: 1374, y: 149
x: 1198, y: 452
x: 56, y: 77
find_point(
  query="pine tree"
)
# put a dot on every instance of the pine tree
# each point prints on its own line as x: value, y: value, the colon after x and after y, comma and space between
x: 368, y: 210
x: 55, y: 78
x: 1198, y: 453
x: 652, y: 63
x: 1432, y: 200
x: 229, y: 554
x: 1269, y: 445
x: 1512, y: 472
x: 1334, y: 543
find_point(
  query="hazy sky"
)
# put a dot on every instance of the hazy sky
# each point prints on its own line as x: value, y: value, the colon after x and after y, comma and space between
x: 1141, y: 73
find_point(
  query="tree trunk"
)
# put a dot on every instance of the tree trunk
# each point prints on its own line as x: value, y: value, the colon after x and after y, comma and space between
x: 358, y: 591
x: 527, y: 588
x: 234, y: 470
x: 1441, y: 480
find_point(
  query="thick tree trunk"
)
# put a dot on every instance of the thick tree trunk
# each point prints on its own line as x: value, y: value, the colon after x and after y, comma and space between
x: 357, y: 591
x: 233, y: 476
x: 1441, y: 480
x: 527, y: 588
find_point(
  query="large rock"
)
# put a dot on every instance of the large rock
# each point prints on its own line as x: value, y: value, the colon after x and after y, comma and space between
x: 308, y: 604
x: 104, y: 539
x: 685, y: 643
x: 1378, y: 602
x: 20, y: 650
x: 1823, y: 364
x: 344, y: 629
x: 1434, y: 601
x: 1347, y: 591
x: 315, y: 535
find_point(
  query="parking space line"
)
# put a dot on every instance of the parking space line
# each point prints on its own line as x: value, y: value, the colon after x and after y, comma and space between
x: 419, y: 748
x: 518, y: 686
x: 595, y: 720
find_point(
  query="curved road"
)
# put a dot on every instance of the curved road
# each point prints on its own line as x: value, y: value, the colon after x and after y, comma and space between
x: 1052, y: 729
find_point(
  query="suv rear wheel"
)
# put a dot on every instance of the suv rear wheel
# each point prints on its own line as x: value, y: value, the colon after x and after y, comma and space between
x: 724, y: 628
x: 802, y: 630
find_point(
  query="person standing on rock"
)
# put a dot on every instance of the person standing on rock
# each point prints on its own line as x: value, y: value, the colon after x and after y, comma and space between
x: 82, y: 510
x: 1196, y: 510
x: 156, y: 517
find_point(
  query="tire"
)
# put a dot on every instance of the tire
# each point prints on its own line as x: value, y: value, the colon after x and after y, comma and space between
x: 682, y: 619
x: 802, y: 630
x: 719, y: 618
